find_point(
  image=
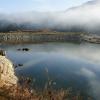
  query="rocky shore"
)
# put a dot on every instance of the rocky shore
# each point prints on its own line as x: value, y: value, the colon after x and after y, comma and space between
x: 7, y: 75
x: 34, y: 37
x: 39, y: 37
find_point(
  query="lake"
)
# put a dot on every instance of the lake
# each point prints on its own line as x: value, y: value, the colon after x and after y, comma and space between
x: 66, y: 65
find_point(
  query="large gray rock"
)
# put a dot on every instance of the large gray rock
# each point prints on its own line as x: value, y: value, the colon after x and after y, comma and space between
x: 7, y: 75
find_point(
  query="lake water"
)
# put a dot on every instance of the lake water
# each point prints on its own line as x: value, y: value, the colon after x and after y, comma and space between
x: 66, y: 64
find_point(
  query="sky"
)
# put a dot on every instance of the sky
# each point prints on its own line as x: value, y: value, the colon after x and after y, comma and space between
x: 10, y: 6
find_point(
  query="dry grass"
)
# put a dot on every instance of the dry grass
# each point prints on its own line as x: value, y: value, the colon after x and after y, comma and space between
x: 24, y: 92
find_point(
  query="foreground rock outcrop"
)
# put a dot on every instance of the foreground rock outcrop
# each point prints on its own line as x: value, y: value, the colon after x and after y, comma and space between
x: 7, y: 75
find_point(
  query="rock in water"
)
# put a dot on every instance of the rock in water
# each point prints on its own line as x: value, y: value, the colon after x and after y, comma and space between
x: 7, y: 75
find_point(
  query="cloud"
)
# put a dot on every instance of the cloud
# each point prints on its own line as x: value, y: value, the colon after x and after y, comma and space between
x: 81, y: 18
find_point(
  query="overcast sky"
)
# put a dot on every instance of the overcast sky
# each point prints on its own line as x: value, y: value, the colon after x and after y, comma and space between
x: 10, y: 6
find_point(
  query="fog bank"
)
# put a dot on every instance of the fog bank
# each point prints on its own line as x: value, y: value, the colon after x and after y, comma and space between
x: 85, y: 17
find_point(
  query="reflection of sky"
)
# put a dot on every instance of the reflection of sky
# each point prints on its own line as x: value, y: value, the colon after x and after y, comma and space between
x: 85, y: 52
x: 68, y: 60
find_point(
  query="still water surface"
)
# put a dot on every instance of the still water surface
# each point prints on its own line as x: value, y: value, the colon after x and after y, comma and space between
x: 65, y: 64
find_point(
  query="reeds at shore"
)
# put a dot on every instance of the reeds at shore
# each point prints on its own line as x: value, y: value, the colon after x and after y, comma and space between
x: 23, y: 91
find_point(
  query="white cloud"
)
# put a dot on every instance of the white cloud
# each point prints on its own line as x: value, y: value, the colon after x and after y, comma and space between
x: 85, y: 16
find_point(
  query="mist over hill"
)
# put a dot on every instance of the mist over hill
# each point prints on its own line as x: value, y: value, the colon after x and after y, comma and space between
x: 85, y: 17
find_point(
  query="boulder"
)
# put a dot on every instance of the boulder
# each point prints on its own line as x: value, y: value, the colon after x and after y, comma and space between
x: 7, y: 74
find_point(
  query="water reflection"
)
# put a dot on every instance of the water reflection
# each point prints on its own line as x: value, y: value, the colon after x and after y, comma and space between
x: 69, y: 65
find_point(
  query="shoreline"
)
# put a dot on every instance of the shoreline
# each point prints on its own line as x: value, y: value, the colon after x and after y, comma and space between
x: 41, y: 37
